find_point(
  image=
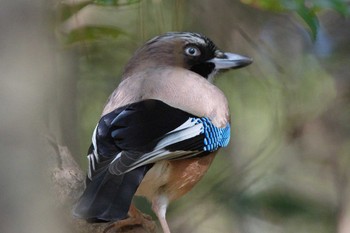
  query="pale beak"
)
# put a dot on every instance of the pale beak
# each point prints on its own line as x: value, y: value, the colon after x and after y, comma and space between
x: 223, y: 61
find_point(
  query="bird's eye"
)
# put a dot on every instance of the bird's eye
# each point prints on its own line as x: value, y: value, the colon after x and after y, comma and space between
x: 192, y: 51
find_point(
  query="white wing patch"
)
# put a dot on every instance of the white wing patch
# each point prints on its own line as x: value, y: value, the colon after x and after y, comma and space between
x: 191, y: 128
x: 93, y: 157
x: 93, y: 139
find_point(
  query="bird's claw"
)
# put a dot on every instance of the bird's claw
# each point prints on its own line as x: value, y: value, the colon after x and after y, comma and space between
x: 144, y: 221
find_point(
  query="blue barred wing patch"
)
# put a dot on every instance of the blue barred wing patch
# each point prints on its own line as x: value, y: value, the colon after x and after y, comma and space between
x: 214, y: 137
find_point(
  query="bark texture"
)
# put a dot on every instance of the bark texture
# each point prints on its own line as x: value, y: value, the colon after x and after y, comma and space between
x: 68, y: 184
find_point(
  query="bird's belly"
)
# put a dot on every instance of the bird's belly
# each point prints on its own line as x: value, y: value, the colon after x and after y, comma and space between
x: 173, y: 178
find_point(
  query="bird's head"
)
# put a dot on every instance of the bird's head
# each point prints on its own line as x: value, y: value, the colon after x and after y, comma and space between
x: 191, y: 51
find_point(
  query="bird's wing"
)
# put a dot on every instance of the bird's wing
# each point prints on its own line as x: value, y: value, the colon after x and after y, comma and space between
x: 148, y: 131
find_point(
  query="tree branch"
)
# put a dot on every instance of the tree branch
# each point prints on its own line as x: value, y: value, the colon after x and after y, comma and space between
x: 68, y: 184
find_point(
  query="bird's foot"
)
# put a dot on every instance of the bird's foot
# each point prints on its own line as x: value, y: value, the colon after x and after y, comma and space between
x: 136, y: 219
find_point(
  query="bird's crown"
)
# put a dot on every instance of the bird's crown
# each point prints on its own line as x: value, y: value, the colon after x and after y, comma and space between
x: 187, y: 37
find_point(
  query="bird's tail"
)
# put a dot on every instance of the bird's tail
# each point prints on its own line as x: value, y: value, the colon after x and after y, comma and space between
x: 107, y: 197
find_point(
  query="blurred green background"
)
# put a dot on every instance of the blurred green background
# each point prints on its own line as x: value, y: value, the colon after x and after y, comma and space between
x: 286, y: 168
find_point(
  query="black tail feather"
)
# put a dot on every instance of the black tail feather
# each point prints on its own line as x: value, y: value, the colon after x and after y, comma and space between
x: 108, y: 197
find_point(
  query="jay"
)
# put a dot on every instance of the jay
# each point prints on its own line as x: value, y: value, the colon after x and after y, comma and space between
x: 160, y: 128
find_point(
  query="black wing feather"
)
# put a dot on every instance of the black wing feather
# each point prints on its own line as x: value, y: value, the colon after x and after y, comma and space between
x: 140, y: 126
x: 126, y: 142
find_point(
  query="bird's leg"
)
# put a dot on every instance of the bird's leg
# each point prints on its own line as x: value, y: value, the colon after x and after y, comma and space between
x: 159, y: 206
x: 136, y: 217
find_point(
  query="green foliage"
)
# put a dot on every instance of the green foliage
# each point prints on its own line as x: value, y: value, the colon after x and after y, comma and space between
x: 90, y: 34
x: 80, y: 31
x: 115, y: 2
x: 309, y: 16
x: 306, y: 9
